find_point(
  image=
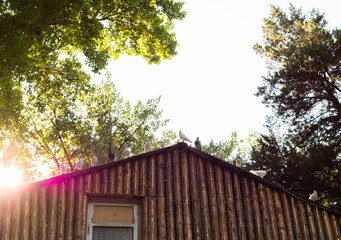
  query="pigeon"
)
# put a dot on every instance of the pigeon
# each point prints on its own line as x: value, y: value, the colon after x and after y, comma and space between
x: 147, y: 146
x: 126, y: 152
x: 79, y: 164
x: 313, y: 196
x: 222, y: 155
x: 161, y: 143
x: 183, y: 137
x: 111, y: 155
x: 63, y: 168
x: 238, y: 162
x: 94, y: 161
x: 197, y: 144
x: 259, y: 173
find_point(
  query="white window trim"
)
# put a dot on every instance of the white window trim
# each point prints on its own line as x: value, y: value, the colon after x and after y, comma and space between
x: 134, y: 225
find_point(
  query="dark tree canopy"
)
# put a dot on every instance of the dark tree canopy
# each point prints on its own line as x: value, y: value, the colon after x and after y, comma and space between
x: 303, y: 87
x: 34, y: 34
x: 49, y: 109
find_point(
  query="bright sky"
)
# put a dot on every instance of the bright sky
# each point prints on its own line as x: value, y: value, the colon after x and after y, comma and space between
x: 208, y: 88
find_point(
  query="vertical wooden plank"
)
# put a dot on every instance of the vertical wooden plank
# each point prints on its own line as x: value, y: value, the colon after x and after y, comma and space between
x: 43, y: 213
x: 79, y: 205
x: 212, y: 200
x: 144, y: 218
x: 177, y: 196
x: 61, y: 210
x: 264, y: 212
x: 34, y: 218
x: 205, y: 207
x: 230, y: 205
x: 311, y: 221
x: 318, y: 222
x: 272, y: 213
x: 87, y: 189
x: 151, y: 177
x: 15, y: 225
x: 2, y: 210
x: 279, y: 215
x: 335, y: 226
x: 187, y: 216
x: 295, y: 218
x: 112, y: 180
x: 195, y: 201
x: 239, y: 207
x: 143, y: 177
x: 169, y: 198
x: 221, y: 203
x: 70, y: 207
x: 96, y: 182
x: 161, y: 218
x: 250, y: 229
x: 152, y: 219
x: 161, y: 203
x: 119, y: 179
x: 327, y: 226
x: 288, y: 218
x: 52, y: 211
x: 303, y: 219
x: 5, y: 233
x: 135, y: 178
x: 104, y: 181
x: 127, y: 178
x: 256, y: 212
x: 26, y: 216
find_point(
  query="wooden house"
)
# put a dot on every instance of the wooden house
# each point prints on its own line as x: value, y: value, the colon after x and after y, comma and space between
x: 177, y: 192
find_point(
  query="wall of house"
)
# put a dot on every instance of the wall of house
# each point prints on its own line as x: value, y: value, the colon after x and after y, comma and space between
x: 183, y: 196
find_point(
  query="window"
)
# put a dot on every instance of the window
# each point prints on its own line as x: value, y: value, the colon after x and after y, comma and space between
x: 113, y: 221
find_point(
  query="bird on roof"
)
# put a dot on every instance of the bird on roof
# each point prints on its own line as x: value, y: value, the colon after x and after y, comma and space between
x: 313, y: 196
x: 94, y: 161
x: 63, y: 168
x: 197, y: 144
x: 111, y: 155
x: 239, y: 162
x: 161, y: 143
x: 147, y: 146
x: 183, y: 137
x: 259, y: 173
x: 79, y: 164
x: 222, y: 155
x: 126, y: 152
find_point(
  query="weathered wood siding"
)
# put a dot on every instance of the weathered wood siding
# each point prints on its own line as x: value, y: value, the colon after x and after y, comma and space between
x: 184, y: 194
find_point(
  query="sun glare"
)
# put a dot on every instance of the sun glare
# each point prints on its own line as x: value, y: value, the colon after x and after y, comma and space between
x: 10, y: 177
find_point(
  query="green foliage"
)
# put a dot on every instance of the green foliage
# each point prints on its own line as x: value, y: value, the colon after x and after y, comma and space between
x: 233, y: 148
x: 303, y: 87
x: 303, y: 171
x: 34, y: 34
x: 64, y: 121
x: 304, y: 84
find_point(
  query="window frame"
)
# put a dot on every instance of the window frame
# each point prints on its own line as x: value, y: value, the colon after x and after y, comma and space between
x: 134, y: 225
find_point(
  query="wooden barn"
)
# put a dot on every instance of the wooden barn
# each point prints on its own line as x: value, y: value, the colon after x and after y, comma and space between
x: 176, y: 192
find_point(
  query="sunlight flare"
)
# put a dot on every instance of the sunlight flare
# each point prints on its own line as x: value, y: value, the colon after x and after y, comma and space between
x: 10, y: 177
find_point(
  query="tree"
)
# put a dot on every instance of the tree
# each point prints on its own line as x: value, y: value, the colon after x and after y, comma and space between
x: 35, y: 36
x: 64, y: 121
x: 316, y: 168
x: 233, y: 148
x: 303, y: 87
